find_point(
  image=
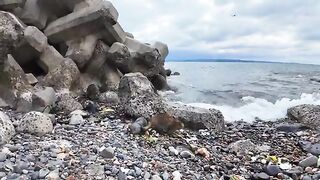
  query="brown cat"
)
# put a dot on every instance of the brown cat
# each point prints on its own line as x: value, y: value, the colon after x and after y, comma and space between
x: 164, y: 123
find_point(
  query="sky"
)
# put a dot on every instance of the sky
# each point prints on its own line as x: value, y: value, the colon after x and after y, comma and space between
x: 269, y: 30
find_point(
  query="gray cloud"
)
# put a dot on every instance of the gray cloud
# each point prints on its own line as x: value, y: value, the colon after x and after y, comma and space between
x: 285, y: 30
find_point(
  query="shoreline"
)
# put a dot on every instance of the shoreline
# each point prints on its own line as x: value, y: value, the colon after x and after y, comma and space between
x: 74, y: 151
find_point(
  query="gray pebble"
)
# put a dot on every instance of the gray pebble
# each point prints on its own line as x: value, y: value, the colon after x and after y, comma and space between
x: 107, y: 152
x: 3, y: 156
x: 165, y: 175
x: 43, y: 172
x: 186, y: 154
x: 310, y: 161
x: 2, y: 174
x: 273, y: 170
x: 137, y: 170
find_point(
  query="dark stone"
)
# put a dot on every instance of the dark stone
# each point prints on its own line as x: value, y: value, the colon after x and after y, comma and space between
x: 159, y: 82
x: 93, y: 92
x: 176, y: 73
x: 272, y: 170
x: 168, y: 72
x: 262, y: 176
x: 295, y: 127
x: 91, y: 107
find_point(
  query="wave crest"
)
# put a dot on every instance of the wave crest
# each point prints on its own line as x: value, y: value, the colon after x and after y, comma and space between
x: 260, y: 108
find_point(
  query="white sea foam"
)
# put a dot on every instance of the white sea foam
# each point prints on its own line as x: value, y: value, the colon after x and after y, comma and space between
x: 261, y: 108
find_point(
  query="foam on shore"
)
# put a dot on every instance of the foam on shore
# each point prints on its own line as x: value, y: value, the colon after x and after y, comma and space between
x: 261, y: 108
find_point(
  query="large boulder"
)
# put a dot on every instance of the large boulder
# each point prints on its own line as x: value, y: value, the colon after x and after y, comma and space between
x: 35, y: 123
x: 6, y: 129
x: 148, y: 63
x: 197, y: 118
x: 138, y: 96
x: 11, y: 31
x: 309, y: 115
x: 13, y: 83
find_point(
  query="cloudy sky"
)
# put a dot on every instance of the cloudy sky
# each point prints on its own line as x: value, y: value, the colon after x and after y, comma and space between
x: 274, y: 30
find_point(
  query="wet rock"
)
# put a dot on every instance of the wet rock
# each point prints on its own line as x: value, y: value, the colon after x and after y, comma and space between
x: 168, y: 72
x: 36, y: 123
x: 197, y: 118
x: 306, y: 114
x: 310, y: 161
x: 138, y: 96
x: 159, y: 82
x: 7, y: 130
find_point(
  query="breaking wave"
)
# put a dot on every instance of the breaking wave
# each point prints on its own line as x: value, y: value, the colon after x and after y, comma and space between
x: 260, y: 108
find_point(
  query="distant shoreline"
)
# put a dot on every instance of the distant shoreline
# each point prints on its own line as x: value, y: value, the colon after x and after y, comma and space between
x: 235, y: 60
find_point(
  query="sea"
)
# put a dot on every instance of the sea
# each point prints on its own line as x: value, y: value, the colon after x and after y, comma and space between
x: 244, y: 90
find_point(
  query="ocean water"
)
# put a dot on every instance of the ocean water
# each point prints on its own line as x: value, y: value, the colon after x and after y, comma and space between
x: 244, y: 91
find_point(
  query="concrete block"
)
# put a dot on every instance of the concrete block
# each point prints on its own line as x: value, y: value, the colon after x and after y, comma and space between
x: 35, y: 38
x: 82, y: 23
x: 31, y: 46
x: 162, y: 48
x: 9, y: 5
x: 50, y: 59
x: 130, y: 35
x: 119, y: 55
x: 98, y: 59
x: 81, y: 50
x: 113, y: 33
x: 61, y: 8
x: 111, y: 77
x: 43, y: 98
x: 32, y: 14
x: 31, y: 79
x: 137, y: 46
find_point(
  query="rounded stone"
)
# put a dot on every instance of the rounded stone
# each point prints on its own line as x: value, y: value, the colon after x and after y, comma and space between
x: 310, y: 161
x: 36, y: 123
x: 273, y: 170
x: 43, y: 173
